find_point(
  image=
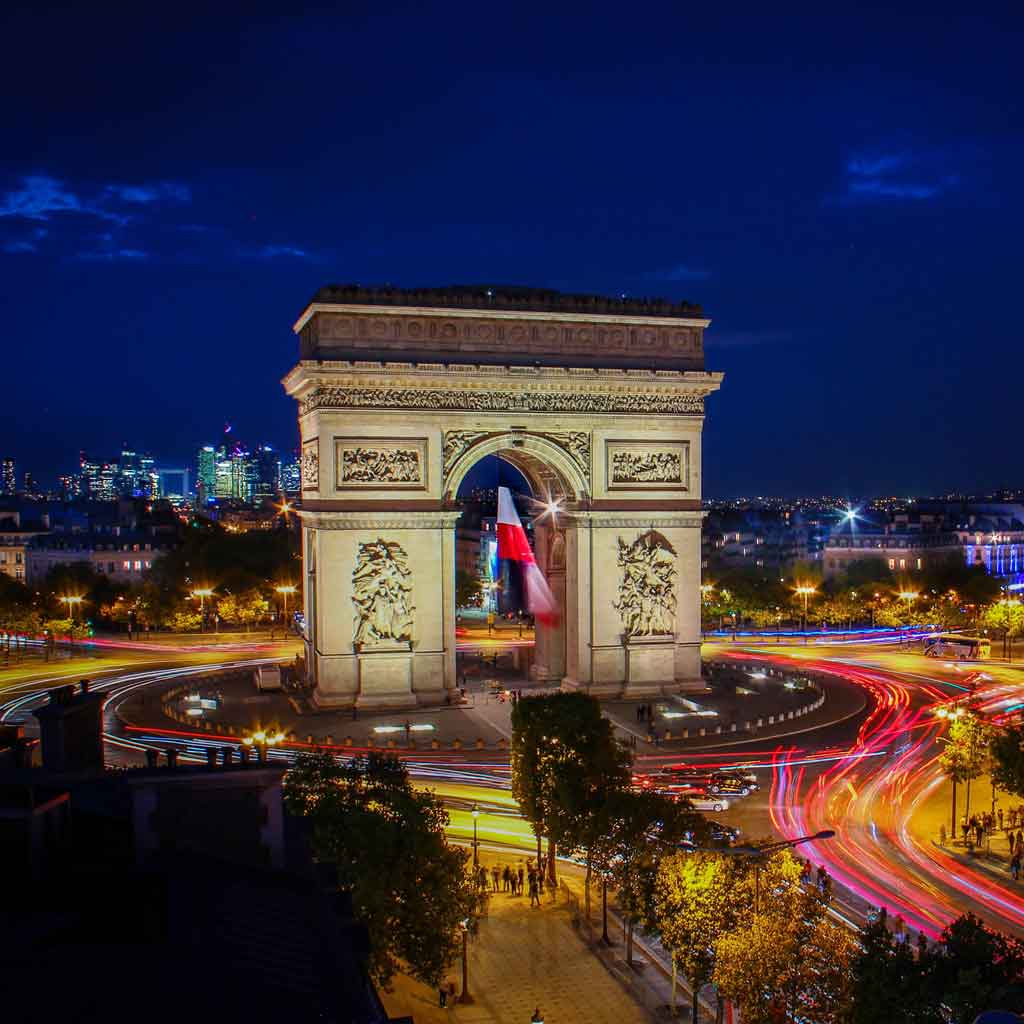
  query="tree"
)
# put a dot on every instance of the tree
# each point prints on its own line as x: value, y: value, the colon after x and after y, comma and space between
x: 965, y: 753
x: 644, y: 827
x: 975, y: 969
x: 244, y: 609
x: 408, y: 885
x: 1007, y: 752
x: 788, y: 962
x: 697, y: 902
x: 1006, y: 616
x: 886, y: 978
x: 187, y: 620
x: 565, y: 764
x: 468, y: 589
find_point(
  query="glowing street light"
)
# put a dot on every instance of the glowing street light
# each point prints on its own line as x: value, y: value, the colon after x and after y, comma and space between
x: 805, y: 591
x: 202, y: 593
x: 284, y: 590
x: 476, y: 814
x: 73, y: 603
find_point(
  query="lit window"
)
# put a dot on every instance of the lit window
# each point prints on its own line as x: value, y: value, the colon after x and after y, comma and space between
x: 892, y: 563
x: 903, y: 563
x: 127, y: 566
x: 919, y: 563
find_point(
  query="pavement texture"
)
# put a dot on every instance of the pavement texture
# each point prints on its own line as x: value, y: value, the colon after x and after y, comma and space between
x: 523, y: 959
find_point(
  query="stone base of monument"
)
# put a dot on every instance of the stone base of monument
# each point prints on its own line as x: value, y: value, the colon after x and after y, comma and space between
x: 650, y: 665
x: 384, y: 672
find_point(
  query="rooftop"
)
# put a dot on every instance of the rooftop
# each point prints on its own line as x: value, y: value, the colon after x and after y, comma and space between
x: 502, y: 296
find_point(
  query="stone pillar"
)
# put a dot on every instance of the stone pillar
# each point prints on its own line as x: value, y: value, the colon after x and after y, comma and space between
x: 549, y: 649
x: 383, y: 599
x: 578, y: 607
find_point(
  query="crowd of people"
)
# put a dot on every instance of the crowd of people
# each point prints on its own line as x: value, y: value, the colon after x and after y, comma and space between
x: 516, y: 880
x: 977, y: 827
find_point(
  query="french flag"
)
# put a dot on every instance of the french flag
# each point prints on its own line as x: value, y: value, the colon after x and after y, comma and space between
x: 513, y: 545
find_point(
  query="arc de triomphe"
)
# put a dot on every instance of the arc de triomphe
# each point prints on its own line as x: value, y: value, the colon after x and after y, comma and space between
x: 599, y: 402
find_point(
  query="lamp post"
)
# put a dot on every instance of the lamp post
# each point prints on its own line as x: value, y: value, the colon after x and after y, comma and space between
x: 72, y: 603
x: 951, y: 713
x: 909, y: 596
x: 465, y: 997
x: 756, y: 853
x: 805, y: 592
x: 284, y: 590
x: 476, y: 814
x: 202, y: 593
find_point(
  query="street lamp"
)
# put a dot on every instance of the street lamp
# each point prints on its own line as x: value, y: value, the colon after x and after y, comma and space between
x: 758, y: 852
x: 910, y: 596
x: 72, y: 603
x: 202, y: 593
x: 465, y: 997
x: 284, y: 590
x: 476, y: 814
x: 805, y: 592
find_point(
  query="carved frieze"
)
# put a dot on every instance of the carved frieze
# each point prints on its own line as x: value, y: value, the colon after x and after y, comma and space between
x: 309, y: 467
x: 687, y: 403
x: 456, y: 442
x: 373, y: 463
x: 648, y: 465
x: 576, y: 444
x: 647, y: 591
x: 382, y: 595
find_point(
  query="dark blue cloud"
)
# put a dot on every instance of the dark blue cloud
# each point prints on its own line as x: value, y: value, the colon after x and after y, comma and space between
x: 905, y: 175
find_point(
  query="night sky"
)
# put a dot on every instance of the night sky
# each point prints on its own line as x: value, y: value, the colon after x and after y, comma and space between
x: 841, y: 192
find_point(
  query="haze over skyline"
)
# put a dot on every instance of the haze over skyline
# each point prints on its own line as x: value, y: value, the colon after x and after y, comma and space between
x: 843, y: 202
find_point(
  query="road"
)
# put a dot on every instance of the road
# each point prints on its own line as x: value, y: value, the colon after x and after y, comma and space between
x: 873, y: 779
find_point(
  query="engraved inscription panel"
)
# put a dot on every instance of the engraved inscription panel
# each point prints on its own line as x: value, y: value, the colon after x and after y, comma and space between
x: 375, y: 463
x: 648, y: 465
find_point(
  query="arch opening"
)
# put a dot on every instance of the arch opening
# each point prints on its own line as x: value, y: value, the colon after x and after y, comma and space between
x: 496, y: 634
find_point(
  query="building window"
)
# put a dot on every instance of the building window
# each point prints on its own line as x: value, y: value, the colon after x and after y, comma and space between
x: 903, y: 563
x: 127, y: 566
x: 19, y: 574
x: 892, y: 563
x: 919, y: 563
x: 138, y: 566
x: 17, y: 558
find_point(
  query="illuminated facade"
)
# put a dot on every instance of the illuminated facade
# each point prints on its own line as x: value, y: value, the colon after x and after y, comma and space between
x: 598, y: 402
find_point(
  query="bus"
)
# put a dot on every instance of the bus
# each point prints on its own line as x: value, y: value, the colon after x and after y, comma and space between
x: 963, y: 648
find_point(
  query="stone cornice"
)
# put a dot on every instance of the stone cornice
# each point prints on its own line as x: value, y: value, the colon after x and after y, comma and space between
x: 499, y: 314
x: 472, y: 388
x: 630, y: 521
x: 383, y: 521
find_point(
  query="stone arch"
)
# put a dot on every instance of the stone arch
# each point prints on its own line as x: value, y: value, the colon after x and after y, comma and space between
x: 546, y: 465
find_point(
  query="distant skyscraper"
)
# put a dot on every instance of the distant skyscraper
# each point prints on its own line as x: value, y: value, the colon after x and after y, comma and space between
x: 290, y: 477
x: 206, y: 470
x: 268, y: 472
x: 8, y: 477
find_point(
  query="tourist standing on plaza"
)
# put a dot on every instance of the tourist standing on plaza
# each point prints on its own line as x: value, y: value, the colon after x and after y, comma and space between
x: 495, y: 877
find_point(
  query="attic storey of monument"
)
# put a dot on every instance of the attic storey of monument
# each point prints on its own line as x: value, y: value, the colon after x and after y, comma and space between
x: 598, y: 402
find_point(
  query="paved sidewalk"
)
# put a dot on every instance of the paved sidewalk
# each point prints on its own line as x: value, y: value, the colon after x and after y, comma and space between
x: 523, y: 958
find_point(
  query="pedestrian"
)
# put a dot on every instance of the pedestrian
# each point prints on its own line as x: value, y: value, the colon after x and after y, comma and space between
x: 1020, y: 838
x: 534, y: 892
x: 495, y: 877
x: 942, y: 835
x: 979, y: 832
x: 639, y: 708
x: 408, y: 731
x: 506, y: 877
x: 965, y: 828
x: 520, y: 876
x: 1015, y: 864
x: 481, y: 878
x: 442, y: 995
x: 537, y: 1018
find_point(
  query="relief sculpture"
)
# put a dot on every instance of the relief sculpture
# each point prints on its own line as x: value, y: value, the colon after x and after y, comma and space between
x: 381, y: 465
x: 382, y: 594
x: 647, y: 595
x: 664, y: 467
x: 310, y: 466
